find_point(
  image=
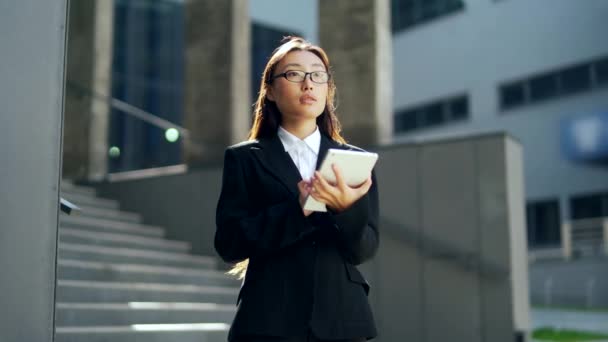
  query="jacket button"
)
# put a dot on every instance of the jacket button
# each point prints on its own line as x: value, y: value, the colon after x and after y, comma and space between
x: 313, y: 243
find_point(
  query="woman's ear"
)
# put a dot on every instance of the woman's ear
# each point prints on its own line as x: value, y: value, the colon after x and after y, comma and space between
x: 269, y: 93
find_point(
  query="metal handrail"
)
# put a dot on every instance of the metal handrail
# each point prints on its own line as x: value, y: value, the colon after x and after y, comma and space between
x: 68, y: 207
x: 130, y: 109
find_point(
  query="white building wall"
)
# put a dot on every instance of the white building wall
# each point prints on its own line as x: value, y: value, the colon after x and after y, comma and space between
x: 490, y: 42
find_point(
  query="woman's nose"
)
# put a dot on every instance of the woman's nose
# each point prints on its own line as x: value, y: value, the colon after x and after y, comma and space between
x: 307, y: 83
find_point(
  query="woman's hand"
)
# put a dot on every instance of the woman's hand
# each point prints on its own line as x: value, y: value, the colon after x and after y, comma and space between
x: 304, y: 188
x: 339, y: 196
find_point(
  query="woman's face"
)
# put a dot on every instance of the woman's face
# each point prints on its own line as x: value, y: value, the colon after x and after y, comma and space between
x: 298, y: 100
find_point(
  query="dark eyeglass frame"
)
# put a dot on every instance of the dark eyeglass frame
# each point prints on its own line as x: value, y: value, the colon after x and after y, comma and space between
x: 284, y: 75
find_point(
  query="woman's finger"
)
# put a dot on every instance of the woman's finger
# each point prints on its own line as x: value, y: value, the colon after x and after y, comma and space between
x: 340, y: 183
x: 364, y: 188
x: 318, y: 196
x: 322, y: 184
x: 303, y: 187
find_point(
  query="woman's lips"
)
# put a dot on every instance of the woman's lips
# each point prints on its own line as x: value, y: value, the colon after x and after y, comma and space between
x: 307, y: 99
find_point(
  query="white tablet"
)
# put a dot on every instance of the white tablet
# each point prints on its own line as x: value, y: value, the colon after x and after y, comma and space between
x: 356, y: 166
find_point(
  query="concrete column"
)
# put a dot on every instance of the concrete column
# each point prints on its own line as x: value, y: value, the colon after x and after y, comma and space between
x: 217, y: 106
x: 357, y: 36
x: 505, y: 308
x: 33, y: 44
x: 89, y: 70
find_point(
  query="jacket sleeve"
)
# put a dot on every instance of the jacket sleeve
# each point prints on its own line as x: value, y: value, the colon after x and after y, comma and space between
x: 357, y: 227
x: 242, y: 231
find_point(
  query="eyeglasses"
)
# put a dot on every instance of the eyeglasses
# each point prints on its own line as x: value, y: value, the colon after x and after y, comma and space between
x: 299, y: 76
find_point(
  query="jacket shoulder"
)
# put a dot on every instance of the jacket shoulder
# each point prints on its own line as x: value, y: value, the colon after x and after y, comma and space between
x: 243, y: 145
x: 352, y: 147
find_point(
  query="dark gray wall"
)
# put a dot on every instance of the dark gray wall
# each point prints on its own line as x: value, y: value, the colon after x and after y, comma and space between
x: 452, y: 265
x: 31, y: 94
x: 184, y: 204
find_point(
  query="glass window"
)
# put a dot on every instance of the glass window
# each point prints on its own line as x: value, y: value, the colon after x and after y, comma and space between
x: 589, y: 206
x: 406, y: 121
x: 453, y: 5
x: 512, y: 95
x: 459, y: 108
x: 433, y: 115
x: 576, y: 79
x: 408, y: 13
x: 430, y: 9
x: 264, y: 39
x: 147, y: 72
x: 403, y: 14
x: 543, y: 87
x: 601, y: 71
x: 554, y: 84
x: 543, y: 223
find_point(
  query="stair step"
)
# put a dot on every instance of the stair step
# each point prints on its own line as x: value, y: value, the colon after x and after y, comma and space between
x: 69, y: 187
x: 91, y: 201
x: 202, y: 332
x: 97, y: 224
x: 98, y: 271
x: 79, y: 236
x: 131, y: 255
x: 109, y: 214
x: 91, y: 314
x: 91, y: 291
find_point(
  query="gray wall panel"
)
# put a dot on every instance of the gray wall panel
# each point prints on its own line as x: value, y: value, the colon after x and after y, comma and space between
x: 398, y: 185
x: 398, y: 265
x: 31, y: 94
x: 451, y: 303
x: 449, y: 207
x: 397, y: 288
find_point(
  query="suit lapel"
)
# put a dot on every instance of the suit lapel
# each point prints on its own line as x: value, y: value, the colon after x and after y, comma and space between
x: 277, y: 162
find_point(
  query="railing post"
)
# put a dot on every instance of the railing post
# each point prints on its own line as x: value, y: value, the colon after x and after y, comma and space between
x: 567, y: 240
x: 605, y: 226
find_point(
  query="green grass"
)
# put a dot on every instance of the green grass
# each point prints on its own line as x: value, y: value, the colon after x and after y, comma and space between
x: 550, y: 334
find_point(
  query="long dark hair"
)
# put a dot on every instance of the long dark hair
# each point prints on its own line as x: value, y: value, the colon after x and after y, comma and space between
x: 267, y: 116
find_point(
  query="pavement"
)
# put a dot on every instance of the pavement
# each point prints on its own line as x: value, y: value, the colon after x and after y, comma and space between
x: 588, y: 321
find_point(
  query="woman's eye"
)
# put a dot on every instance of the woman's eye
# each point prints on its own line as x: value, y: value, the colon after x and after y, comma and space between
x: 291, y: 73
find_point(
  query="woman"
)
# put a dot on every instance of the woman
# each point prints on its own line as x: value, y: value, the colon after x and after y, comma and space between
x: 300, y: 280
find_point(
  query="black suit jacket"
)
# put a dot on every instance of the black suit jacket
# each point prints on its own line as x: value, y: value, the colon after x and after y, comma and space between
x: 301, y: 270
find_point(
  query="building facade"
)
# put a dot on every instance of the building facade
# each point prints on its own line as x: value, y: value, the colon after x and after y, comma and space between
x: 532, y: 69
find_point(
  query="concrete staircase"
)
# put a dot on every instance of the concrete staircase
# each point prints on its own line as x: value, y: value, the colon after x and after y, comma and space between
x: 120, y: 280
